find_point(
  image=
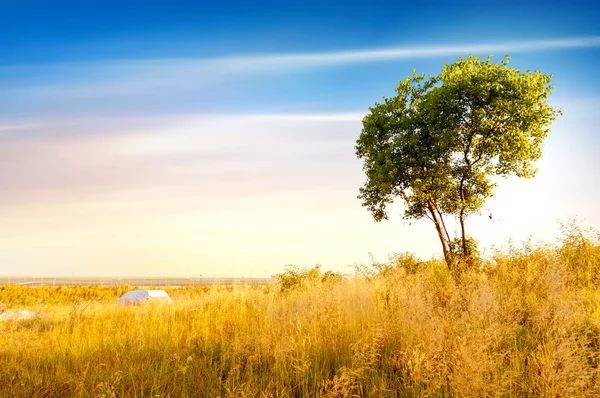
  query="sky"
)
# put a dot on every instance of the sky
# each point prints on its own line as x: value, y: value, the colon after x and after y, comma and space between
x: 217, y: 139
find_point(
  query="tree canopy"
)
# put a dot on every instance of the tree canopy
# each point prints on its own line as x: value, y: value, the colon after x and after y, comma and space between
x: 438, y: 143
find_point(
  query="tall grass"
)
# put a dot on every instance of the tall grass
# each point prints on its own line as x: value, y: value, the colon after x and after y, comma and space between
x: 526, y: 324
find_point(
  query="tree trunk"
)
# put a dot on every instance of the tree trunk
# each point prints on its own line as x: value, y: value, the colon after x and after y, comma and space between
x: 464, y: 235
x: 462, y: 212
x: 440, y: 230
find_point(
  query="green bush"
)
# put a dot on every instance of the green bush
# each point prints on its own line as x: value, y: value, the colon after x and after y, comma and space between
x: 296, y: 277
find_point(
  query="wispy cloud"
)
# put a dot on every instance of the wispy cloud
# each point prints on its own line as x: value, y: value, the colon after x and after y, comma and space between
x: 377, y: 55
x: 111, y: 85
x: 218, y: 156
x: 253, y: 62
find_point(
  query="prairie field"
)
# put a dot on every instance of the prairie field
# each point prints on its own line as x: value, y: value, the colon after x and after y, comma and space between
x: 524, y: 322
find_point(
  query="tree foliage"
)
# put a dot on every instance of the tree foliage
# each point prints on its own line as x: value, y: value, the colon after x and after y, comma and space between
x: 440, y: 141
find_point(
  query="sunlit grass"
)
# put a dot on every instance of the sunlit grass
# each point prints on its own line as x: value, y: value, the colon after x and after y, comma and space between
x: 527, y: 324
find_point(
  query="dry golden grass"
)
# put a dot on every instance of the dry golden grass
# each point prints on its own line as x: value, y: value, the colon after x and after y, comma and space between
x: 526, y: 325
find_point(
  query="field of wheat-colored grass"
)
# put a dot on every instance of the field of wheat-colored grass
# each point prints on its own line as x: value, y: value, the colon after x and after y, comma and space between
x: 526, y: 324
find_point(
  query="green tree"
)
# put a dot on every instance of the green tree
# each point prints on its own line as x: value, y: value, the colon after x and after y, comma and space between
x: 439, y: 142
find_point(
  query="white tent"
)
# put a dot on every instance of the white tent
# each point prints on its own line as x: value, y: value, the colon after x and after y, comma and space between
x: 18, y: 315
x: 144, y: 296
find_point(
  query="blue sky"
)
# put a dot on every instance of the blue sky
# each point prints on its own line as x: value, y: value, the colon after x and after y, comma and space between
x: 173, y: 139
x: 39, y: 31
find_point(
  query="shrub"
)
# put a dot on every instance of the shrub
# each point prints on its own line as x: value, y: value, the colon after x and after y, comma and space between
x: 295, y: 277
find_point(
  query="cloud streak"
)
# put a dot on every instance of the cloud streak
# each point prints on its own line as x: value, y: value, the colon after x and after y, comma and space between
x: 111, y: 86
x: 194, y: 155
x: 249, y: 63
x: 378, y: 55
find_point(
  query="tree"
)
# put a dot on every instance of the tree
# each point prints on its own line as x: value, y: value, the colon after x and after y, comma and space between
x: 439, y: 142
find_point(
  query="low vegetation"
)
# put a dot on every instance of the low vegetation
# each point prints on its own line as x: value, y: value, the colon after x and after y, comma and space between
x: 525, y: 323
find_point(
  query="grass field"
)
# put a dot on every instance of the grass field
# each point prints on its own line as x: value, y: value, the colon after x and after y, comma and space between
x: 527, y: 324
